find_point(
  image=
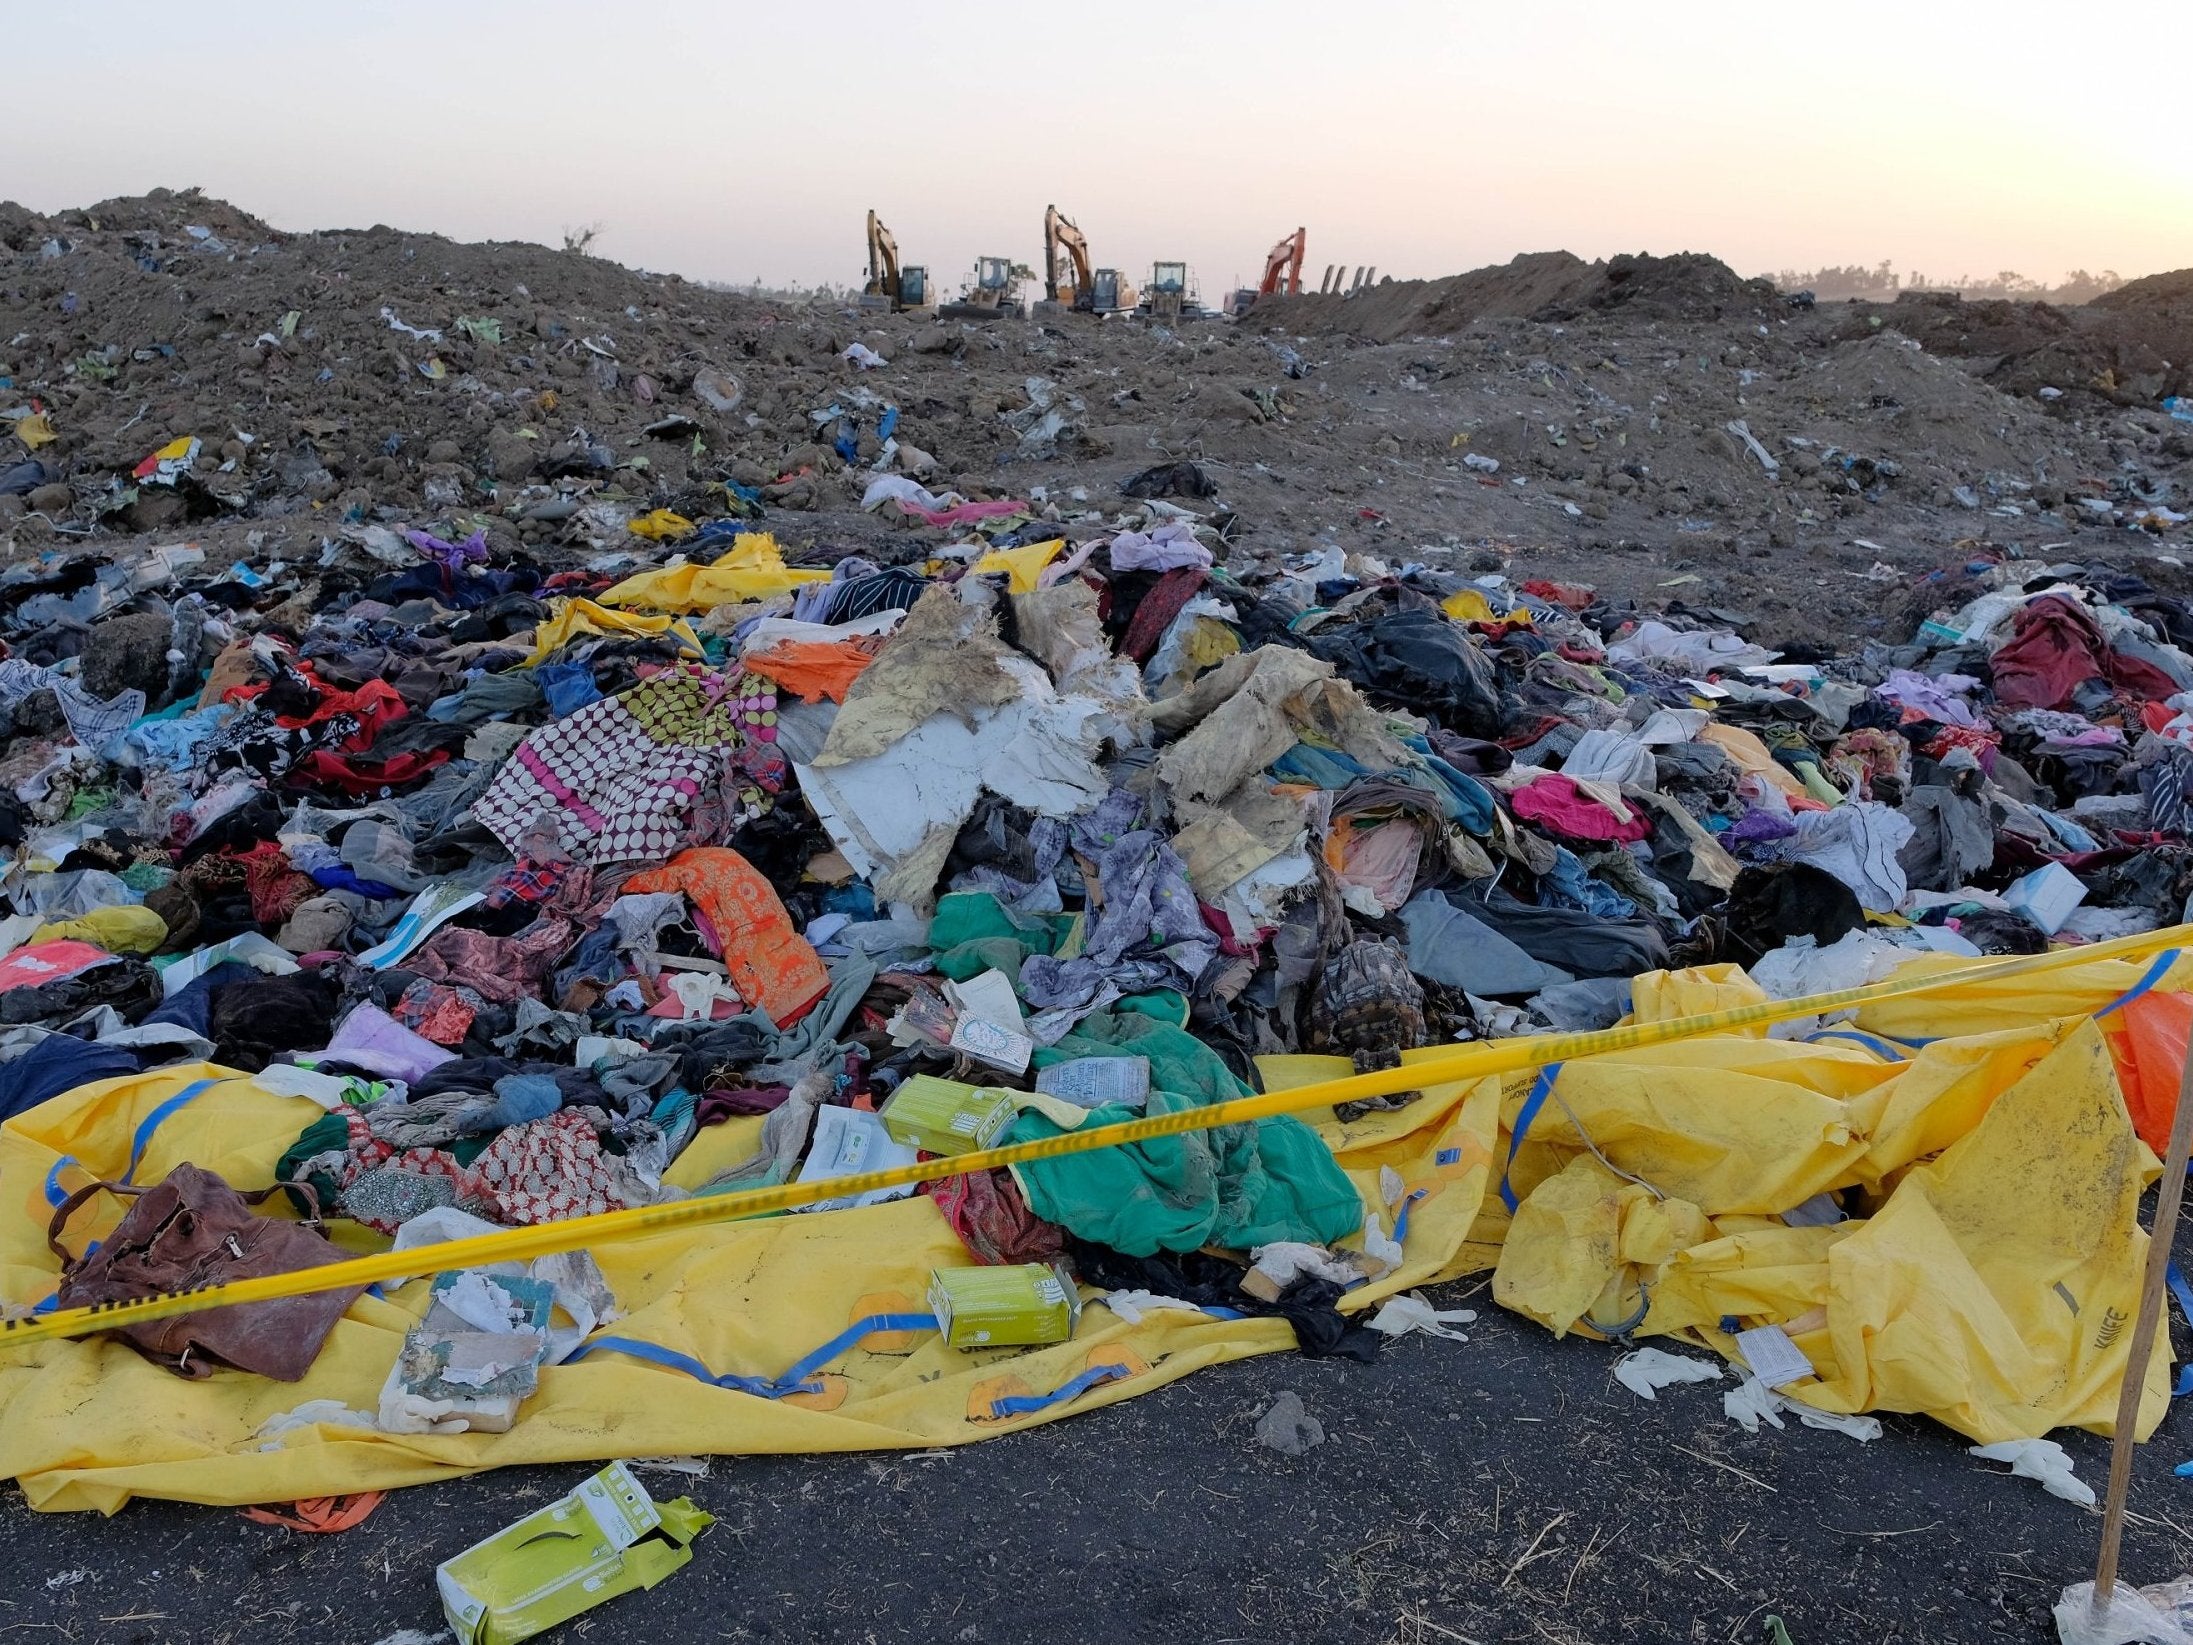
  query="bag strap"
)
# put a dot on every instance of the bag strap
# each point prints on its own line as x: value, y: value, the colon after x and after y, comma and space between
x: 67, y: 1208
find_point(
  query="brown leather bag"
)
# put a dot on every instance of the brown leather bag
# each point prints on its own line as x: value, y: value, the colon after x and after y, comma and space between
x: 191, y: 1230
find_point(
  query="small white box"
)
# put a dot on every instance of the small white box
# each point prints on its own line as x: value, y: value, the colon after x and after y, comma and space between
x: 2046, y: 896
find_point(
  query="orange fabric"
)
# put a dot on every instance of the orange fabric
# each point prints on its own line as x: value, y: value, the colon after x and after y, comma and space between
x: 813, y: 669
x: 2148, y: 1039
x: 319, y: 1513
x: 771, y: 964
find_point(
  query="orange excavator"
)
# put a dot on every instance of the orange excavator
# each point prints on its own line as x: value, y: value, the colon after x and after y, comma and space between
x: 1282, y: 272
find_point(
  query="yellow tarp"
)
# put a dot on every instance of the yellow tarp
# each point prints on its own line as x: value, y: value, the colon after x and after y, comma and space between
x: 753, y: 570
x: 569, y: 620
x: 1987, y: 1277
x: 748, y: 1297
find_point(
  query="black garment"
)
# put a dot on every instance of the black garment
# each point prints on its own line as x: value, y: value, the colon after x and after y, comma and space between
x: 1321, y: 1331
x: 1583, y: 945
x: 257, y: 1019
x: 1420, y: 660
x: 477, y: 1076
x: 129, y: 985
x: 1999, y: 931
x: 1768, y: 906
x: 1182, y: 479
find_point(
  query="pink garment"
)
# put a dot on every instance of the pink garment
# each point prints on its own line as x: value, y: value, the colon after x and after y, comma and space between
x: 1558, y: 804
x: 961, y: 513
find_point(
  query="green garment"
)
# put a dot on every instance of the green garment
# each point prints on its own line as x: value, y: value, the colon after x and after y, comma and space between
x: 972, y: 932
x: 1237, y: 1186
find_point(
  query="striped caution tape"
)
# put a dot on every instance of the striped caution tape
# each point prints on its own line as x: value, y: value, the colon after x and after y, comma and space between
x: 1470, y: 1062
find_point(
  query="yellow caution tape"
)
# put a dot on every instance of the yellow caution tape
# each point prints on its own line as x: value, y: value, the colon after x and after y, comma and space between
x: 1469, y: 1062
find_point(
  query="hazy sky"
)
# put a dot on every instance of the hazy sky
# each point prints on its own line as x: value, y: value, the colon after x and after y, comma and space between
x: 733, y: 139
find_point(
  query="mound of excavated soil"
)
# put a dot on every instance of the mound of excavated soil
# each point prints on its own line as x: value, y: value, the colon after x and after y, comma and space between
x: 1546, y: 285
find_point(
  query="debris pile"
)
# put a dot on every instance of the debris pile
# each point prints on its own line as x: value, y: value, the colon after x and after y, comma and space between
x: 609, y: 836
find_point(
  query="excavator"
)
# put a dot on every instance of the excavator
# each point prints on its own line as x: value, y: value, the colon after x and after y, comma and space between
x: 1099, y: 291
x: 993, y: 291
x: 891, y: 288
x: 1282, y: 272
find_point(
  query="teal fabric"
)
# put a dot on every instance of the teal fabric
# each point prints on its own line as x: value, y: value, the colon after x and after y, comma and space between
x: 1237, y: 1186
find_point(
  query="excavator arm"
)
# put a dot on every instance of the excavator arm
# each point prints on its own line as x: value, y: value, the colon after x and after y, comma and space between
x: 1059, y: 232
x: 883, y: 261
x: 1283, y: 267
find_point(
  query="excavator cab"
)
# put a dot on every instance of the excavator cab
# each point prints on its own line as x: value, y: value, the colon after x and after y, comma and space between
x: 990, y: 293
x: 1110, y: 292
x: 914, y: 287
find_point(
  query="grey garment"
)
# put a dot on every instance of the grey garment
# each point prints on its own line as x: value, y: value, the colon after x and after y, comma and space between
x: 538, y: 1028
x: 1554, y: 745
x: 448, y: 793
x: 784, y: 1137
x: 634, y: 1083
x: 490, y: 697
x: 642, y: 917
x: 379, y: 851
x: 1693, y: 765
x: 1458, y: 950
x: 1610, y: 756
x: 1148, y: 934
x: 1950, y: 841
x: 1857, y: 843
x: 813, y: 1040
x: 1584, y: 1006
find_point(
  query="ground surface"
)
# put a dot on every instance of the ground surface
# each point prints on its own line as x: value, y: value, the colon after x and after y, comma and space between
x: 1506, y: 1489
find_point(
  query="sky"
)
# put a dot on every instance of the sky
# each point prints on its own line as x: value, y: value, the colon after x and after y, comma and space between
x: 740, y: 139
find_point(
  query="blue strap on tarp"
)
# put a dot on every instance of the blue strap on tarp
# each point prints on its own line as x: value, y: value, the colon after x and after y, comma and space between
x: 1872, y: 1042
x: 1540, y: 1091
x: 797, y: 1379
x: 1021, y: 1405
x: 2154, y: 974
x: 138, y: 1143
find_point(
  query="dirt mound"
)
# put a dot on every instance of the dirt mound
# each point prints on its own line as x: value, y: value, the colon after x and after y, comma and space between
x: 1688, y: 286
x: 1553, y: 286
x: 2131, y: 347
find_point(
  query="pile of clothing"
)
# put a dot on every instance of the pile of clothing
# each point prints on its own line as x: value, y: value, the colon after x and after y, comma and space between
x: 533, y: 877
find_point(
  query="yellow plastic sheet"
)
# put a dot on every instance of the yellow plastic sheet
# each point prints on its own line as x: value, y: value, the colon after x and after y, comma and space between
x: 573, y: 619
x: 748, y: 1297
x: 125, y: 928
x: 753, y: 570
x: 1023, y: 566
x: 1995, y: 1289
x: 661, y: 525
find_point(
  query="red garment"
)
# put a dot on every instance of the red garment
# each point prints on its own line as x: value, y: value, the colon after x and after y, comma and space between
x: 986, y: 1210
x: 1158, y: 609
x: 362, y: 774
x: 374, y: 704
x: 2057, y: 648
x: 1558, y: 804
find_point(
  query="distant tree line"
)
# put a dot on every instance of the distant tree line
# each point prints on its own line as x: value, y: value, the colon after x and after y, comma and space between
x: 1882, y: 281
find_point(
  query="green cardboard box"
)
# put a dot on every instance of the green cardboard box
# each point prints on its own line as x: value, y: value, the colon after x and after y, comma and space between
x: 945, y: 1117
x: 606, y: 1538
x: 1013, y: 1307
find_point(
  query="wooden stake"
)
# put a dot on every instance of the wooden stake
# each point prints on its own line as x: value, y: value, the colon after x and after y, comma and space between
x: 2159, y: 1242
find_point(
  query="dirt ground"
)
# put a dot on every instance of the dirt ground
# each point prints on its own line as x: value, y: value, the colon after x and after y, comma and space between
x: 1907, y: 440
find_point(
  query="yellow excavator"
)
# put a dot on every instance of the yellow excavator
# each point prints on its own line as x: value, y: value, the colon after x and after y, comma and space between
x: 891, y: 288
x: 1090, y: 291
